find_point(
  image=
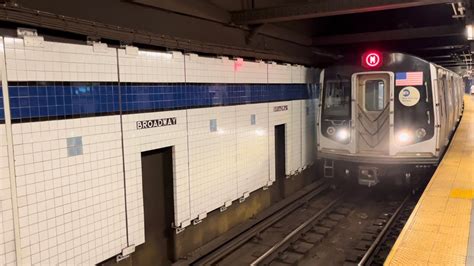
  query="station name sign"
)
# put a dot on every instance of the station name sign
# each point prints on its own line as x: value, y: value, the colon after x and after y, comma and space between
x: 280, y: 108
x: 162, y: 122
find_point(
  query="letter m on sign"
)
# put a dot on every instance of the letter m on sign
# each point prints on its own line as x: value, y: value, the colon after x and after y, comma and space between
x: 372, y: 59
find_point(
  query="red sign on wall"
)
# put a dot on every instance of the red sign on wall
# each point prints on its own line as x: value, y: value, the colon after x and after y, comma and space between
x: 238, y: 64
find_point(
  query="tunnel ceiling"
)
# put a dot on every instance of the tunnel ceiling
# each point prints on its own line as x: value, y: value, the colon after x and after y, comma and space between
x: 307, y: 32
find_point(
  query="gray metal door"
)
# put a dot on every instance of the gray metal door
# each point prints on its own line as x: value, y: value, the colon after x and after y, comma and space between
x: 372, y: 114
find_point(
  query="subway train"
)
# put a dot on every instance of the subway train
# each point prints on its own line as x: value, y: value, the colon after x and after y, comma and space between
x: 386, y: 116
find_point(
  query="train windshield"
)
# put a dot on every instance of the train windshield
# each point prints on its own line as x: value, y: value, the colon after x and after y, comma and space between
x: 337, y: 99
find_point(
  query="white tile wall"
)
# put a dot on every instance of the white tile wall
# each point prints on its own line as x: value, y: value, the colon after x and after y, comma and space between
x: 277, y: 118
x: 298, y: 74
x: 295, y: 134
x: 212, y: 158
x: 208, y: 69
x: 301, y: 74
x: 71, y: 209
x: 308, y: 122
x: 150, y: 66
x: 252, y: 148
x: 279, y: 73
x: 223, y: 165
x: 251, y: 72
x: 7, y: 235
x: 138, y: 141
x: 53, y: 61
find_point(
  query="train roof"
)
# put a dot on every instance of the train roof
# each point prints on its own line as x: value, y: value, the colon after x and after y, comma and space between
x: 360, y: 59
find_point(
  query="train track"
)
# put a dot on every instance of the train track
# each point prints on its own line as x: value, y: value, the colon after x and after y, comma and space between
x: 314, y: 224
x: 290, y: 240
x: 372, y: 255
x: 321, y: 194
x: 290, y: 250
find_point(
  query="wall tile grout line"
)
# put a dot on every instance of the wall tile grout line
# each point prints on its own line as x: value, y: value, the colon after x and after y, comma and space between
x: 123, y: 151
x: 187, y: 148
x: 11, y: 153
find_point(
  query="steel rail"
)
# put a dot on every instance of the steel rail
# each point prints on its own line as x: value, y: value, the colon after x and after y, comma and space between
x: 294, y: 233
x: 245, y: 236
x: 376, y: 242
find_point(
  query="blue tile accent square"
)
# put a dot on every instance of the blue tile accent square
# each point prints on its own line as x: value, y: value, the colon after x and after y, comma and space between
x: 213, y: 125
x: 74, y: 146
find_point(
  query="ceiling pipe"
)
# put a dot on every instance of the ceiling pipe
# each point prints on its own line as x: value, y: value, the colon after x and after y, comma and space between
x: 454, y: 9
x: 458, y: 10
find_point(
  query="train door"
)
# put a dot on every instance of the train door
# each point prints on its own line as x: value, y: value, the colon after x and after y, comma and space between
x: 455, y: 99
x: 442, y: 109
x: 450, y: 104
x: 372, y: 114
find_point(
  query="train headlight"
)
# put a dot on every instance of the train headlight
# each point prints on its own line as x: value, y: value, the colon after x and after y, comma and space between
x: 420, y: 133
x: 331, y: 131
x: 342, y: 134
x: 404, y: 137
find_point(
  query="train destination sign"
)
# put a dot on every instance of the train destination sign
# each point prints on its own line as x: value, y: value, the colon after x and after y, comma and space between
x: 280, y: 108
x: 170, y: 121
x: 372, y: 59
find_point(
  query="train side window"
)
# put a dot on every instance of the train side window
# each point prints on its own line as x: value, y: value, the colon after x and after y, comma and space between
x: 374, y: 95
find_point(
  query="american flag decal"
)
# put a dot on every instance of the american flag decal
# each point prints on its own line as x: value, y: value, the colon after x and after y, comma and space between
x: 409, y: 78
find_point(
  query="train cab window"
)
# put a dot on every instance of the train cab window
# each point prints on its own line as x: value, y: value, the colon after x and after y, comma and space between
x: 374, y: 95
x: 337, y: 98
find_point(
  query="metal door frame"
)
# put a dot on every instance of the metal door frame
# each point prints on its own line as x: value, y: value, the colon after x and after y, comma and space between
x: 355, y: 85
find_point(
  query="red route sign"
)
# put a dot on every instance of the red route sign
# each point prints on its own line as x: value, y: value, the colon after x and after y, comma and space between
x: 372, y: 59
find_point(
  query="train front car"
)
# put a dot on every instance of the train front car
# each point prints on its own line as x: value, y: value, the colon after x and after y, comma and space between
x: 378, y: 118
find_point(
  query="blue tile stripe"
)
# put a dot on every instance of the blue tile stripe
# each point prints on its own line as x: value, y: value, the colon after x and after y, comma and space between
x: 39, y: 101
x: 145, y: 97
x: 36, y: 101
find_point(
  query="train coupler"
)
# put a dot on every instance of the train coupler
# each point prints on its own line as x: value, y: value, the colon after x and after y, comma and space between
x: 368, y: 176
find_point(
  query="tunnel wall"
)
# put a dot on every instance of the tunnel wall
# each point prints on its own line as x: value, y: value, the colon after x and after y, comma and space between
x: 81, y: 115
